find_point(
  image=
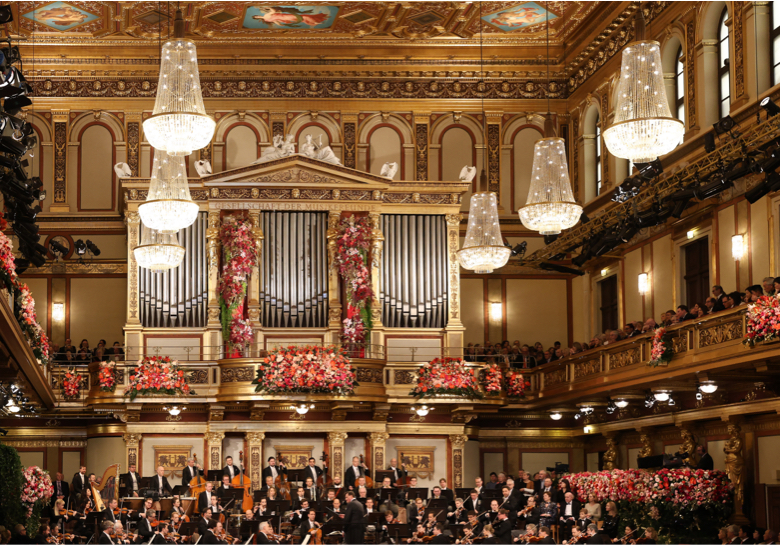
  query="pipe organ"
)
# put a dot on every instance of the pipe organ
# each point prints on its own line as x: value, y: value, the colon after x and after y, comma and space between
x: 295, y: 205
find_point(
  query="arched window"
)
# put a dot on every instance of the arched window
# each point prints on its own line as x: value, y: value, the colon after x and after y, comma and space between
x: 679, y: 85
x: 598, y: 155
x: 774, y: 38
x: 724, y: 77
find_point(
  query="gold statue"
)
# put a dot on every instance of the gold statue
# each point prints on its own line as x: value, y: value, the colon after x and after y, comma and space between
x: 689, y: 446
x: 647, y: 445
x: 734, y: 461
x: 611, y: 455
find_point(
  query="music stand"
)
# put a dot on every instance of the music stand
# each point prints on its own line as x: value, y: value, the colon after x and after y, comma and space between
x: 386, y: 494
x: 296, y: 475
x: 93, y: 519
x: 235, y: 494
x: 414, y: 493
x: 398, y: 531
x: 181, y: 490
x: 214, y: 475
x: 279, y: 506
x: 463, y: 493
x: 440, y: 504
x: 491, y: 494
x: 457, y: 530
x: 381, y: 474
x: 187, y: 528
x: 249, y: 527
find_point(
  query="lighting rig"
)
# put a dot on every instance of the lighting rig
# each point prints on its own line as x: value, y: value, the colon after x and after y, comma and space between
x: 20, y: 193
x: 13, y: 401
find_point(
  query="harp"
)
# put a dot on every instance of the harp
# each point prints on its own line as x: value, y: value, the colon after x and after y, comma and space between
x: 108, y: 489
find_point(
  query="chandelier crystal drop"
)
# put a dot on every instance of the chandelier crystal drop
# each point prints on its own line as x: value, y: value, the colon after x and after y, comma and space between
x: 643, y: 128
x: 169, y: 206
x: 550, y: 207
x: 158, y: 251
x: 179, y: 123
x: 484, y: 249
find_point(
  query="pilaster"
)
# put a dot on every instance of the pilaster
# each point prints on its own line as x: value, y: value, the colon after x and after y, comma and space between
x: 334, y: 304
x: 455, y: 328
x: 61, y: 121
x: 253, y: 287
x: 421, y: 136
x: 336, y: 441
x: 214, y: 441
x: 377, y: 243
x: 458, y: 445
x: 378, y: 456
x: 349, y: 125
x: 254, y: 441
x: 132, y: 446
x: 213, y: 326
x: 133, y: 222
x: 133, y: 128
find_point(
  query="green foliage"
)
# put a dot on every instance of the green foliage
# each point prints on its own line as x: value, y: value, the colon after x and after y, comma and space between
x: 12, y: 511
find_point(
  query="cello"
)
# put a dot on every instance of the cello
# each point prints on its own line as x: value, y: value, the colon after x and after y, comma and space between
x: 239, y: 482
x: 197, y: 484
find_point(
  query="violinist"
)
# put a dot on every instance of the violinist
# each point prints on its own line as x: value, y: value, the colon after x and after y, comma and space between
x: 650, y: 536
x: 488, y: 535
x: 507, y: 501
x: 473, y: 526
x: 389, y: 519
x: 628, y: 535
x: 161, y: 534
x: 106, y: 528
x: 145, y: 526
x: 544, y: 535
x: 430, y: 523
x: 473, y: 503
x: 43, y: 535
x: 312, y: 470
x: 265, y: 533
x: 592, y: 535
x: 397, y: 472
x: 503, y: 527
x: 273, y: 470
x: 110, y: 513
x: 529, y: 536
x: 491, y: 515
x: 147, y: 506
x: 176, y: 508
x: 212, y: 536
x: 204, y: 522
x: 224, y: 486
x: 530, y: 514
x: 458, y: 516
x: 576, y: 536
x: 438, y: 536
x: 417, y: 512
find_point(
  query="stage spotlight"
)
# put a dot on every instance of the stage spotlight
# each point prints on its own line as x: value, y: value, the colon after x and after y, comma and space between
x: 57, y: 248
x: 549, y: 239
x: 577, y: 416
x: 709, y: 142
x: 713, y: 188
x: 698, y: 396
x: 93, y: 248
x: 520, y: 249
x: 771, y: 108
x: 679, y: 208
x: 611, y: 407
x: 580, y: 260
x: 671, y: 401
x: 650, y: 170
x: 81, y: 248
x: 724, y: 125
x: 6, y: 15
x: 628, y: 231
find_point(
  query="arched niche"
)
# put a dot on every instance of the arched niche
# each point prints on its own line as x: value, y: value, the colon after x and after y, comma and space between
x: 251, y: 126
x: 518, y: 140
x: 241, y: 145
x: 40, y: 161
x: 319, y: 125
x: 708, y: 61
x: 589, y: 163
x: 376, y: 147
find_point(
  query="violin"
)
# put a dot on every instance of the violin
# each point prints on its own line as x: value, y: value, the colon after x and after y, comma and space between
x: 224, y: 536
x: 122, y: 511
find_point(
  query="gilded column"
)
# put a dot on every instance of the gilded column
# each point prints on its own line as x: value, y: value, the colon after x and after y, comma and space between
x: 254, y: 440
x: 133, y: 222
x: 458, y: 444
x: 214, y: 441
x: 377, y: 243
x: 214, y: 248
x: 421, y: 125
x: 378, y: 457
x: 60, y: 119
x: 336, y: 443
x: 455, y: 328
x: 334, y: 303
x: 133, y: 120
x: 132, y: 444
x: 253, y: 289
x: 350, y: 140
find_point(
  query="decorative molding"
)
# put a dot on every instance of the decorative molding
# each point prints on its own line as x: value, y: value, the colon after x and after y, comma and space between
x: 60, y: 161
x: 690, y: 70
x: 590, y: 367
x: 237, y: 374
x: 368, y: 374
x: 74, y: 267
x: 720, y: 333
x: 197, y: 376
x: 739, y: 57
x: 421, y: 134
x: 625, y: 358
x: 133, y: 146
x: 680, y: 344
x: 493, y: 157
x: 555, y: 377
x: 350, y: 140
x: 403, y: 377
x: 133, y: 221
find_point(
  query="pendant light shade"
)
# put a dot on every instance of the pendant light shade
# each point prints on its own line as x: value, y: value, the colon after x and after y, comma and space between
x: 179, y: 123
x: 158, y: 251
x: 644, y: 128
x: 550, y: 207
x: 483, y: 250
x: 168, y: 205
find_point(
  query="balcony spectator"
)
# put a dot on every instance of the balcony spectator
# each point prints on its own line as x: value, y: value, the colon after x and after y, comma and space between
x: 67, y: 352
x: 711, y: 303
x: 718, y: 293
x: 116, y: 352
x: 769, y: 285
x: 753, y: 293
x: 777, y: 285
x: 737, y: 298
x: 649, y: 325
x: 526, y: 360
x: 697, y: 311
x: 684, y: 314
x: 629, y: 330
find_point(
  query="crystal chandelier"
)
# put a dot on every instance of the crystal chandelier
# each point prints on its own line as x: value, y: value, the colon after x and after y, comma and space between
x: 550, y: 207
x: 484, y: 249
x: 179, y: 123
x: 644, y: 128
x: 168, y: 205
x: 158, y: 251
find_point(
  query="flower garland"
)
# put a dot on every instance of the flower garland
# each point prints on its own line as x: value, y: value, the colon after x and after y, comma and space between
x: 306, y: 369
x: 107, y: 376
x: 240, y: 253
x: 37, y: 486
x: 24, y: 302
x: 516, y: 384
x: 661, y: 351
x: 71, y: 384
x: 763, y: 320
x: 494, y: 379
x: 446, y: 376
x: 352, y: 246
x: 157, y: 375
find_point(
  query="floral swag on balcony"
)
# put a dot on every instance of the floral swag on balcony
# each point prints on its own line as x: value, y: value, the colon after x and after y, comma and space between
x: 24, y: 304
x: 157, y: 376
x: 352, y: 247
x: 446, y: 377
x: 662, y: 351
x: 107, y: 376
x: 240, y: 253
x: 516, y: 384
x: 511, y: 382
x: 306, y: 369
x: 763, y: 321
x: 71, y: 384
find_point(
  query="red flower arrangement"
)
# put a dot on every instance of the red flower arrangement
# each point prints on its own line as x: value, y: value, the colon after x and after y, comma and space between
x: 26, y: 316
x: 240, y: 253
x: 36, y: 487
x: 516, y: 384
x: 446, y: 376
x: 763, y: 321
x: 661, y: 351
x: 157, y: 375
x: 352, y: 246
x: 71, y: 384
x: 107, y: 376
x: 494, y: 379
x: 306, y: 369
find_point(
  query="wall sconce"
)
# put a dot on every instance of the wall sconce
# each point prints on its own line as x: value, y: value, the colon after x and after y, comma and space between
x: 58, y: 312
x: 738, y: 244
x: 643, y: 284
x: 604, y: 272
x: 496, y: 312
x: 690, y: 234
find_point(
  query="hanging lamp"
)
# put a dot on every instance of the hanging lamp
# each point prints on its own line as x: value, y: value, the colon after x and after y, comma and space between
x: 169, y: 206
x: 158, y: 251
x: 484, y: 249
x: 643, y: 128
x: 179, y: 123
x: 550, y: 207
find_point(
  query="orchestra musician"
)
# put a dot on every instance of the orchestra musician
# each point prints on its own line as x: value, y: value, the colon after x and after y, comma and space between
x: 177, y: 509
x: 300, y: 497
x: 389, y: 519
x: 529, y: 536
x: 592, y: 535
x: 309, y: 524
x: 204, y: 498
x: 133, y: 482
x: 230, y: 470
x: 507, y: 501
x: 264, y: 533
x: 353, y: 473
x: 403, y: 494
x: 272, y: 494
x: 161, y: 486
x: 311, y: 491
x: 313, y: 471
x: 261, y: 508
x: 268, y: 485
x: 544, y: 534
x: 337, y: 482
x: 204, y: 521
x: 458, y: 515
x: 488, y: 536
x: 191, y: 471
x: 79, y: 483
x: 336, y: 508
x: 417, y: 513
x: 438, y: 536
x: 492, y: 515
x: 397, y: 473
x: 144, y: 526
x: 215, y: 507
x: 212, y: 535
x: 576, y: 536
x: 473, y: 503
x: 531, y: 514
x: 273, y: 469
x: 106, y: 528
x: 224, y: 486
x: 369, y: 505
x: 299, y: 514
x: 108, y: 512
x: 503, y: 527
x: 146, y: 506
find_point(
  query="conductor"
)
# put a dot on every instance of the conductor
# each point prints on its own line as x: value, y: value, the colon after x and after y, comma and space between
x: 353, y: 520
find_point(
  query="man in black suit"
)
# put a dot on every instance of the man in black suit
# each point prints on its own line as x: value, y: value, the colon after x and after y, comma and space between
x: 683, y: 314
x: 507, y: 501
x: 108, y: 512
x: 570, y: 510
x: 105, y: 529
x: 593, y: 535
x: 312, y: 470
x: 191, y: 470
x: 61, y: 490
x: 79, y: 482
x: 144, y: 527
x: 397, y: 472
x: 525, y: 360
x: 532, y: 512
x: 273, y: 469
x: 204, y: 522
x: 308, y: 523
x: 502, y: 528
x: 132, y: 482
x: 220, y: 491
x: 438, y: 536
x: 263, y: 533
x: 705, y: 460
x: 353, y: 473
x: 160, y: 484
x: 473, y: 503
x: 353, y: 520
x: 544, y: 533
x: 230, y: 470
x: 204, y: 498
x: 210, y: 538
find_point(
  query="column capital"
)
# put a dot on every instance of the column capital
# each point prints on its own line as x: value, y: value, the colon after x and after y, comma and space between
x: 337, y: 437
x: 458, y: 441
x: 453, y: 220
x: 132, y: 439
x: 378, y: 437
x: 215, y: 437
x: 132, y: 218
x: 255, y: 437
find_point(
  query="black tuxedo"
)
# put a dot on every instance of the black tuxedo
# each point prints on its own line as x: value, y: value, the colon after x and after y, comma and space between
x: 523, y: 362
x: 64, y: 489
x: 509, y: 503
x: 469, y: 504
x: 547, y: 540
x: 305, y: 526
x: 397, y: 470
x: 203, y: 526
x: 706, y: 462
x: 221, y: 491
x: 441, y: 538
x: 312, y: 472
x: 189, y: 473
x: 210, y: 538
x: 532, y: 516
x: 353, y: 522
x: 570, y: 520
x: 159, y: 538
x: 279, y: 470
x: 144, y: 530
x: 78, y: 485
x: 128, y: 480
x: 104, y: 538
x: 350, y: 478
x: 204, y: 501
x: 262, y: 538
x: 226, y: 471
x: 108, y: 515
x: 503, y: 530
x: 163, y: 489
x: 312, y: 494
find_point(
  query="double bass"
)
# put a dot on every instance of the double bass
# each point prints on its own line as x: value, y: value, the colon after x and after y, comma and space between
x: 281, y: 479
x: 239, y: 481
x: 402, y: 481
x: 369, y: 480
x: 324, y: 480
x: 197, y: 484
